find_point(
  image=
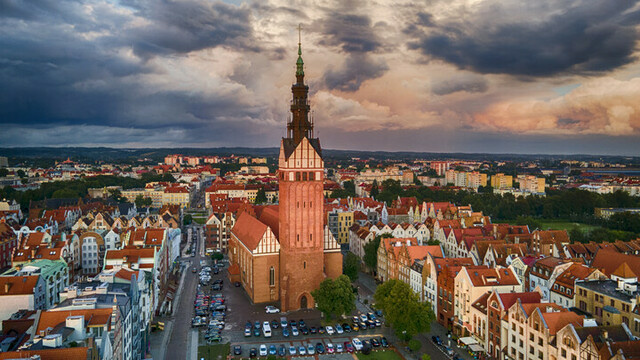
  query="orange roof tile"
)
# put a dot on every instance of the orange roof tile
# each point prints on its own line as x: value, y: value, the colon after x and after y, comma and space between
x: 249, y: 230
x: 18, y: 285
x: 609, y: 261
x: 92, y: 317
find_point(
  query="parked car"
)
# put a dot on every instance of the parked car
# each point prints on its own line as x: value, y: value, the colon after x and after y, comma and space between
x: 247, y: 332
x: 304, y: 330
x: 355, y: 327
x: 282, y: 351
x: 339, y: 348
x: 313, y: 330
x: 330, y: 348
x: 274, y: 324
x: 339, y: 329
x: 378, y: 322
x: 292, y: 350
x: 320, y: 348
x: 330, y: 330
x: 320, y: 330
x: 363, y: 317
x: 236, y: 284
x: 294, y: 331
x: 348, y: 347
x: 256, y: 332
x: 436, y: 340
x: 271, y: 309
x: 384, y: 342
x: 448, y: 351
x: 283, y: 322
x: 257, y: 325
x: 310, y: 349
x: 346, y: 327
x: 194, y: 270
x: 371, y: 316
x: 285, y: 332
x: 357, y: 344
x: 302, y: 350
x: 301, y: 323
x: 253, y: 352
x: 375, y: 342
x: 237, y: 350
x: 263, y: 350
x: 272, y: 350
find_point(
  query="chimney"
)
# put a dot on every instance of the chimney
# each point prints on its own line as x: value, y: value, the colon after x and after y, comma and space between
x: 605, y: 334
x: 77, y: 324
x: 52, y: 341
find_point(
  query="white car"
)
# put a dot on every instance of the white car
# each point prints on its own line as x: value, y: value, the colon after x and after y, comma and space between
x: 302, y: 350
x: 339, y: 348
x: 294, y: 331
x: 363, y: 317
x: 265, y: 324
x: 357, y: 344
x: 271, y: 309
x: 330, y: 330
x: 263, y: 350
x: 292, y: 350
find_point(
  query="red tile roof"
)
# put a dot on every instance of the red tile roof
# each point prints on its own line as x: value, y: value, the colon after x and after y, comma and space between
x: 18, y: 285
x: 609, y: 261
x: 92, y: 317
x: 249, y: 230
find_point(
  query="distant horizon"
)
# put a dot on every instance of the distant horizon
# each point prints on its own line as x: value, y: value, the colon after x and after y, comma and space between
x: 275, y: 150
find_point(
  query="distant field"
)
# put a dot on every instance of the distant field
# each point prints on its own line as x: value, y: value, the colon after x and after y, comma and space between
x: 565, y: 225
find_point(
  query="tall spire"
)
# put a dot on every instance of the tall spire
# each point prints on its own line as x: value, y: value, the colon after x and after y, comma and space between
x: 299, y: 63
x: 299, y: 126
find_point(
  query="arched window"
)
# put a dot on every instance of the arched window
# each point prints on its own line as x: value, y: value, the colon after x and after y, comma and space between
x: 304, y: 264
x: 272, y: 276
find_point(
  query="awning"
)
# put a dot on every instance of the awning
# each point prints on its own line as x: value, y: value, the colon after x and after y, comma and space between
x: 468, y: 340
x: 476, y: 348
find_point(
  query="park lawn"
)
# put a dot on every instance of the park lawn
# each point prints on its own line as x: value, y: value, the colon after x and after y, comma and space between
x: 380, y: 355
x: 199, y: 220
x: 213, y: 352
x: 565, y: 225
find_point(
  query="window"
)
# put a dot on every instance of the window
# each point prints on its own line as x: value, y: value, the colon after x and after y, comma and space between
x: 304, y: 176
x: 312, y: 176
x: 563, y: 353
x: 540, y: 341
x: 531, y: 337
x: 304, y: 264
x: 613, y: 303
x: 297, y: 176
x: 272, y: 276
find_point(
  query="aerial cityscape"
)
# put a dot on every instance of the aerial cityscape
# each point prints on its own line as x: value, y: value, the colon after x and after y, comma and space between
x: 454, y: 180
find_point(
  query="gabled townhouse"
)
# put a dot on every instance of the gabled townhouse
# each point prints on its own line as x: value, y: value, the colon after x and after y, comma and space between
x: 218, y: 230
x: 496, y: 306
x: 549, y: 242
x: 594, y: 342
x: 359, y: 236
x: 447, y: 269
x: 388, y: 257
x: 543, y: 273
x: 520, y: 265
x: 472, y: 282
x: 8, y: 242
x: 533, y: 327
x: 610, y: 261
x: 408, y: 255
x: 562, y: 290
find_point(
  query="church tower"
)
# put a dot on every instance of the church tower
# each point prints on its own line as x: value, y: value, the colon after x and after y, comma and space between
x: 301, y: 222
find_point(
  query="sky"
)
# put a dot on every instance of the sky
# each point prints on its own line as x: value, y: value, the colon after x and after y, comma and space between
x: 497, y: 76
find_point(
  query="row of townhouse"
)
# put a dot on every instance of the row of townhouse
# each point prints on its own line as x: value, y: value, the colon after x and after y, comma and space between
x: 231, y: 190
x: 162, y: 194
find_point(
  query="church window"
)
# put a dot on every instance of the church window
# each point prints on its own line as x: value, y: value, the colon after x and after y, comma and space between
x: 298, y: 237
x: 272, y: 276
x: 312, y: 175
x: 297, y: 175
x: 310, y: 237
x: 304, y: 264
x: 304, y: 176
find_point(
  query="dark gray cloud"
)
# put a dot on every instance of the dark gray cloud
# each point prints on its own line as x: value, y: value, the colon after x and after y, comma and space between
x: 356, y: 69
x: 470, y: 84
x: 352, y: 33
x: 185, y: 26
x: 562, y: 37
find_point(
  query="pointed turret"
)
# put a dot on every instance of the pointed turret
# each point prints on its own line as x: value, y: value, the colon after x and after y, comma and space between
x: 299, y: 126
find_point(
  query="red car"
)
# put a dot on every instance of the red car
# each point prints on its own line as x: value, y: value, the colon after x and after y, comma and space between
x: 348, y: 347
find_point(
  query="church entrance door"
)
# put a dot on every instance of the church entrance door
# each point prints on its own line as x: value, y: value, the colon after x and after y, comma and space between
x: 303, y: 302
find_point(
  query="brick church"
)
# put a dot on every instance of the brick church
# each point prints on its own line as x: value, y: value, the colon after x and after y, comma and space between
x: 283, y: 252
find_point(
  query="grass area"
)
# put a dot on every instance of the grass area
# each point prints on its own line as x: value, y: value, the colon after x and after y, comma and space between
x: 213, y: 352
x: 200, y: 221
x: 565, y: 225
x: 380, y: 355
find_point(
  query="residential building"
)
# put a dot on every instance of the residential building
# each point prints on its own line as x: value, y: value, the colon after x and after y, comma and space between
x: 21, y: 292
x: 501, y: 181
x: 532, y: 184
x: 339, y: 223
x: 562, y: 290
x: 447, y: 269
x: 54, y: 275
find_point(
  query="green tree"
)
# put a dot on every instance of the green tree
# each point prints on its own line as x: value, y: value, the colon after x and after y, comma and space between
x: 351, y: 266
x: 4, y: 172
x: 187, y: 219
x: 116, y: 194
x: 217, y: 256
x: 414, y: 345
x: 403, y: 309
x: 261, y: 197
x: 335, y: 297
x: 143, y: 201
x: 374, y: 189
x: 371, y: 251
x: 21, y: 173
x: 576, y: 235
x: 426, y: 357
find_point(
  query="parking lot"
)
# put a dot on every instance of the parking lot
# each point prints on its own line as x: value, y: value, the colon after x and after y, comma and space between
x: 240, y: 311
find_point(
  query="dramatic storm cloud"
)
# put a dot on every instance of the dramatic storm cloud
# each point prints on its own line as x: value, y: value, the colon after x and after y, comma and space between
x: 460, y: 75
